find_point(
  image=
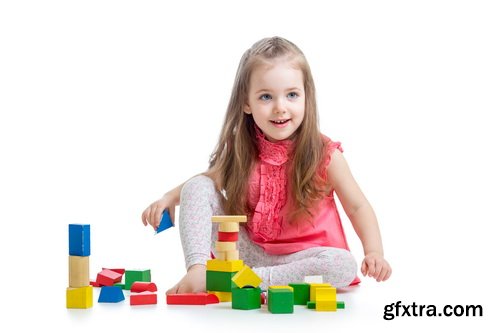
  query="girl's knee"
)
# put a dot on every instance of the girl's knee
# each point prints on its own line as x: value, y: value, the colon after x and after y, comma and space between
x: 200, y: 191
x: 196, y: 185
x: 340, y: 266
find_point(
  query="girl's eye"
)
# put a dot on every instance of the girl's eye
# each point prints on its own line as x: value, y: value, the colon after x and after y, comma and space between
x: 265, y: 97
x: 293, y: 95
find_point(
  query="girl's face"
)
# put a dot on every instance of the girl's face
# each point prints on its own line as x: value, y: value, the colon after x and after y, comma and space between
x: 276, y: 99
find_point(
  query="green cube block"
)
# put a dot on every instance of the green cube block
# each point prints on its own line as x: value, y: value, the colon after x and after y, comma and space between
x: 280, y: 300
x: 340, y: 305
x: 220, y: 281
x: 132, y: 276
x: 311, y: 305
x: 301, y: 293
x: 247, y: 298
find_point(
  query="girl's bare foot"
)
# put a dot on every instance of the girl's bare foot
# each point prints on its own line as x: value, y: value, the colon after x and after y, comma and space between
x: 193, y: 282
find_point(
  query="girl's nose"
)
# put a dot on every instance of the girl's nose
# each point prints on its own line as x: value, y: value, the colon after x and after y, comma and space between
x: 279, y: 106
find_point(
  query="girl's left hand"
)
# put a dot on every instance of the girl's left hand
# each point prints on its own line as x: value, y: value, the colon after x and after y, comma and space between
x: 374, y: 265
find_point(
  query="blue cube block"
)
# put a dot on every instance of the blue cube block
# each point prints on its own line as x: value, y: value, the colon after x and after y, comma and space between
x: 165, y: 222
x: 79, y: 240
x: 111, y: 294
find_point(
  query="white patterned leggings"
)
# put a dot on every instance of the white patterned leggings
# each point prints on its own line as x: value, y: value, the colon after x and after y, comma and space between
x: 200, y: 201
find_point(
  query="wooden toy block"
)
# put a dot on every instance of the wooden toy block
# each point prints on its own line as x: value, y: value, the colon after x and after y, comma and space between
x: 165, y: 222
x: 224, y: 265
x: 108, y: 277
x: 313, y: 279
x: 117, y: 270
x: 246, y: 298
x: 301, y: 293
x: 263, y: 298
x: 227, y: 236
x: 143, y: 298
x: 111, y: 294
x: 79, y: 240
x: 221, y: 255
x: 79, y: 298
x: 233, y: 255
x: 326, y: 305
x: 78, y: 271
x: 132, y: 276
x: 94, y: 284
x: 225, y: 246
x: 192, y: 299
x: 315, y: 286
x: 229, y: 227
x: 223, y: 296
x: 121, y: 285
x: 311, y: 305
x: 326, y: 299
x: 139, y: 287
x: 220, y: 281
x: 229, y: 218
x: 281, y: 287
x: 246, y: 277
x: 340, y: 305
x: 326, y: 293
x: 280, y: 300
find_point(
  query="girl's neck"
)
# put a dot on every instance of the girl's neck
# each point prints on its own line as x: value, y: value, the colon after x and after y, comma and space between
x: 274, y: 153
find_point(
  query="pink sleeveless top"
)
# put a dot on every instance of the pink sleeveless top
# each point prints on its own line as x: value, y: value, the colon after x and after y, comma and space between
x: 268, y: 198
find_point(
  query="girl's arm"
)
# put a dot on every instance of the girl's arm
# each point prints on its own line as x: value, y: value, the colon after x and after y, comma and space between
x: 152, y: 214
x: 361, y: 214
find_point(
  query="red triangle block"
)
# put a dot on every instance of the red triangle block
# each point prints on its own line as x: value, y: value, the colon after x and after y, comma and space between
x: 108, y: 278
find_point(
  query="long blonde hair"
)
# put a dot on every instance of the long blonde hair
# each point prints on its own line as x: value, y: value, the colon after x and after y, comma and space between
x: 236, y: 150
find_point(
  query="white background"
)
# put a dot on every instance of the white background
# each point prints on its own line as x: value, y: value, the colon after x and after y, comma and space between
x: 105, y: 105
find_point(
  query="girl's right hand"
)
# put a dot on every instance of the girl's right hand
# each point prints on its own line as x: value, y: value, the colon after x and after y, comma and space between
x: 152, y: 214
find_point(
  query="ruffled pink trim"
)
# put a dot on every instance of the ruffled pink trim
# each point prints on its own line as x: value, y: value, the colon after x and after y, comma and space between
x: 274, y: 153
x: 266, y: 221
x: 329, y: 148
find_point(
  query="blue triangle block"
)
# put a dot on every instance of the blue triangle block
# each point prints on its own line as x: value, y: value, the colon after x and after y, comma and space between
x: 111, y: 294
x: 165, y: 222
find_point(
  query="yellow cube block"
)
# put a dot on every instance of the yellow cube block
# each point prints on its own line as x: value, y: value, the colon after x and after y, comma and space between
x: 79, y: 298
x: 246, y: 277
x: 281, y: 287
x: 326, y: 299
x: 224, y: 265
x: 315, y: 286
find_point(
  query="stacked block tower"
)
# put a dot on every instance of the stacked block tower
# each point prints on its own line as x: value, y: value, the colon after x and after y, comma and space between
x: 79, y: 293
x: 222, y: 269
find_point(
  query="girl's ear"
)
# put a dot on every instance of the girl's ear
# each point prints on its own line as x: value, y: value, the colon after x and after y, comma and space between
x: 246, y: 109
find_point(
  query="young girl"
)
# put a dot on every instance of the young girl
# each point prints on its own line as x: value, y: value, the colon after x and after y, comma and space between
x: 272, y: 164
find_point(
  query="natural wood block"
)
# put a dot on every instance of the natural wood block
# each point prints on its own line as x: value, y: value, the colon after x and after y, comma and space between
x: 229, y: 227
x: 225, y: 246
x: 229, y: 218
x: 78, y: 271
x: 233, y: 255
